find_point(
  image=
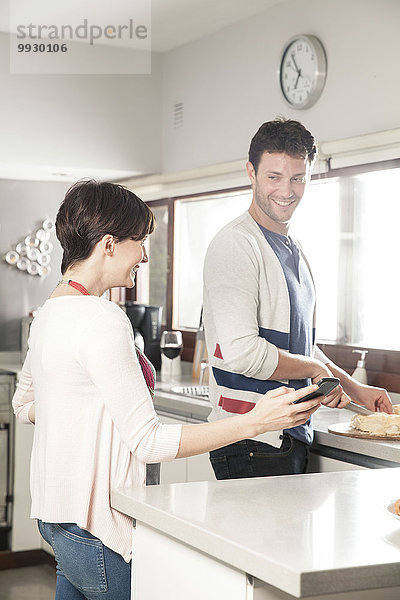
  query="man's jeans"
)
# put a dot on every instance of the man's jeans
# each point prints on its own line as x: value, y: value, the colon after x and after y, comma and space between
x: 250, y: 458
x: 86, y: 569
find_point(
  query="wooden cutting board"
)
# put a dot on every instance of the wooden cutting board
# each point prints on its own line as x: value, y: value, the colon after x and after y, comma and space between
x: 347, y: 431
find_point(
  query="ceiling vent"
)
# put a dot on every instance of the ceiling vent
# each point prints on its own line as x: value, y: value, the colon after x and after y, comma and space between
x: 178, y: 115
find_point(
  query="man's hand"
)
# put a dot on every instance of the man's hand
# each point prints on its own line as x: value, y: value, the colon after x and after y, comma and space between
x: 373, y: 398
x: 337, y: 398
x: 293, y: 366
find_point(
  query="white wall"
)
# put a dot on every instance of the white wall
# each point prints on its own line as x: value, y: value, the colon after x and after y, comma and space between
x: 228, y: 81
x: 100, y: 121
x: 23, y: 206
x: 105, y: 122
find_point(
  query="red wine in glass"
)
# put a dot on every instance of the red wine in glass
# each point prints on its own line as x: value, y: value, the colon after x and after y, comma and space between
x: 171, y: 350
x: 171, y: 343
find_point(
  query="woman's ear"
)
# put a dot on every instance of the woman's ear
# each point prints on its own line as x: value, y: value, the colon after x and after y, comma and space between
x: 108, y: 244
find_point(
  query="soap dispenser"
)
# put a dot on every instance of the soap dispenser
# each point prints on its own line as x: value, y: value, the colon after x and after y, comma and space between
x: 360, y: 374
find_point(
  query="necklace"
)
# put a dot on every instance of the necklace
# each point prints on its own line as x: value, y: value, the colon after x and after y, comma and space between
x: 145, y: 365
x: 77, y: 286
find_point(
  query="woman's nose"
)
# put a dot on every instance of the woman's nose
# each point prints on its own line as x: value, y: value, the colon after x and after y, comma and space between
x: 145, y: 258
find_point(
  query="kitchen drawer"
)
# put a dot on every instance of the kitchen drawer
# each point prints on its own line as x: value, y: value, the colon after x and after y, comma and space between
x: 4, y: 393
x: 7, y: 384
x: 5, y: 416
x: 176, y: 470
x: 4, y: 442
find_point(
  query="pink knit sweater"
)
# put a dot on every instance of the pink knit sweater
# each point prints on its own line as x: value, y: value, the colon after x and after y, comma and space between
x: 96, y: 427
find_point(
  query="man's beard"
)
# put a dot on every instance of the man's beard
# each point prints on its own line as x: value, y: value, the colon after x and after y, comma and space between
x: 271, y: 209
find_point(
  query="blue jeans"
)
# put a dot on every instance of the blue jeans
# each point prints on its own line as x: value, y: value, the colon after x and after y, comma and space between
x: 86, y: 569
x: 250, y: 458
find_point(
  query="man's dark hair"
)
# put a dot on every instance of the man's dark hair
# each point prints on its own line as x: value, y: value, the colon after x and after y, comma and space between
x: 283, y: 136
x: 93, y: 209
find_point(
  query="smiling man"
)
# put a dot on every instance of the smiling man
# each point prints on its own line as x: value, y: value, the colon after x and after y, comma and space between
x: 278, y: 187
x: 259, y: 309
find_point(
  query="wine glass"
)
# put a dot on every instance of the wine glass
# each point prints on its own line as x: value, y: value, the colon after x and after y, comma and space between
x: 171, y: 343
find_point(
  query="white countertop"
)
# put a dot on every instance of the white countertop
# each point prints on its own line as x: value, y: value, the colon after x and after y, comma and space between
x: 305, y: 534
x: 178, y: 404
x: 11, y: 362
x: 168, y: 402
x: 324, y: 417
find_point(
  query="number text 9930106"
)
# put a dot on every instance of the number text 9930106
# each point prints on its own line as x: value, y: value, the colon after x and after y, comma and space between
x: 42, y: 48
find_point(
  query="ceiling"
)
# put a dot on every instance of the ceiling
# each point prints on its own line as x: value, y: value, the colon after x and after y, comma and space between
x: 173, y: 22
x: 176, y: 22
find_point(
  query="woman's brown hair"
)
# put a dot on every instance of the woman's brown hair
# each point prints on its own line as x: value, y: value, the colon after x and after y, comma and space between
x: 93, y: 209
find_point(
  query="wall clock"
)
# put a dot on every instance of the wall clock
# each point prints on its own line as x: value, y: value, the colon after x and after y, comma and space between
x: 302, y: 72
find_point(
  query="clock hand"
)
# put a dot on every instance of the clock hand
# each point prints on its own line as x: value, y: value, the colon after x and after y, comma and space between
x: 294, y: 62
x: 303, y: 84
x: 298, y: 71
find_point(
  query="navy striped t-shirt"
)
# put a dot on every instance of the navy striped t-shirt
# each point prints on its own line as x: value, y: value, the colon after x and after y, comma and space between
x: 302, y: 303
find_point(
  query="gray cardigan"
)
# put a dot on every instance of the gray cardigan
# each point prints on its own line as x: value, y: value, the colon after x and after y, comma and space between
x: 246, y: 311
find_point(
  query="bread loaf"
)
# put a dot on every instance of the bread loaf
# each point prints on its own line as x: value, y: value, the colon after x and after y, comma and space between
x: 378, y: 423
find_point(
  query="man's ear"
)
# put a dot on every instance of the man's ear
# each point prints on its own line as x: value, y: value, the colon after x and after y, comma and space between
x: 251, y: 172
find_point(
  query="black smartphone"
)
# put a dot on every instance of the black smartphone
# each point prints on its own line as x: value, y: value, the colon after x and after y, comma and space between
x: 325, y: 386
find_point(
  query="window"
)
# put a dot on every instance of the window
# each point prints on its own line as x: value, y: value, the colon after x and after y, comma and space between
x: 197, y: 220
x: 152, y: 277
x: 348, y: 227
x: 316, y: 226
x: 158, y: 253
x: 376, y: 252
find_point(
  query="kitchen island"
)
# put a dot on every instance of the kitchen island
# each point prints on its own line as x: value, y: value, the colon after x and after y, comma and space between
x: 329, y: 452
x: 322, y: 535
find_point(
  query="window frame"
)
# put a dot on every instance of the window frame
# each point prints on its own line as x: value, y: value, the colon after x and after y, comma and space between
x: 383, y: 366
x: 346, y: 316
x: 189, y: 335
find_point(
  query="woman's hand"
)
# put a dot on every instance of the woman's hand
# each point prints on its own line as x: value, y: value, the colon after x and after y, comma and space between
x: 273, y: 412
x: 276, y: 410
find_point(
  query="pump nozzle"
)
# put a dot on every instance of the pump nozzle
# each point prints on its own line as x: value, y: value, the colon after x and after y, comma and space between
x: 362, y: 357
x: 360, y: 374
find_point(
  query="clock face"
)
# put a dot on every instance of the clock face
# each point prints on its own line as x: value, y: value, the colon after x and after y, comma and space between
x: 302, y: 71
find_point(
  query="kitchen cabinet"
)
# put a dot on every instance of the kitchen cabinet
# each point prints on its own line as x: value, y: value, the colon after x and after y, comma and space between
x: 175, y: 471
x: 324, y: 536
x: 326, y: 464
x: 181, y: 470
x: 24, y: 533
x: 199, y: 468
x: 7, y: 385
